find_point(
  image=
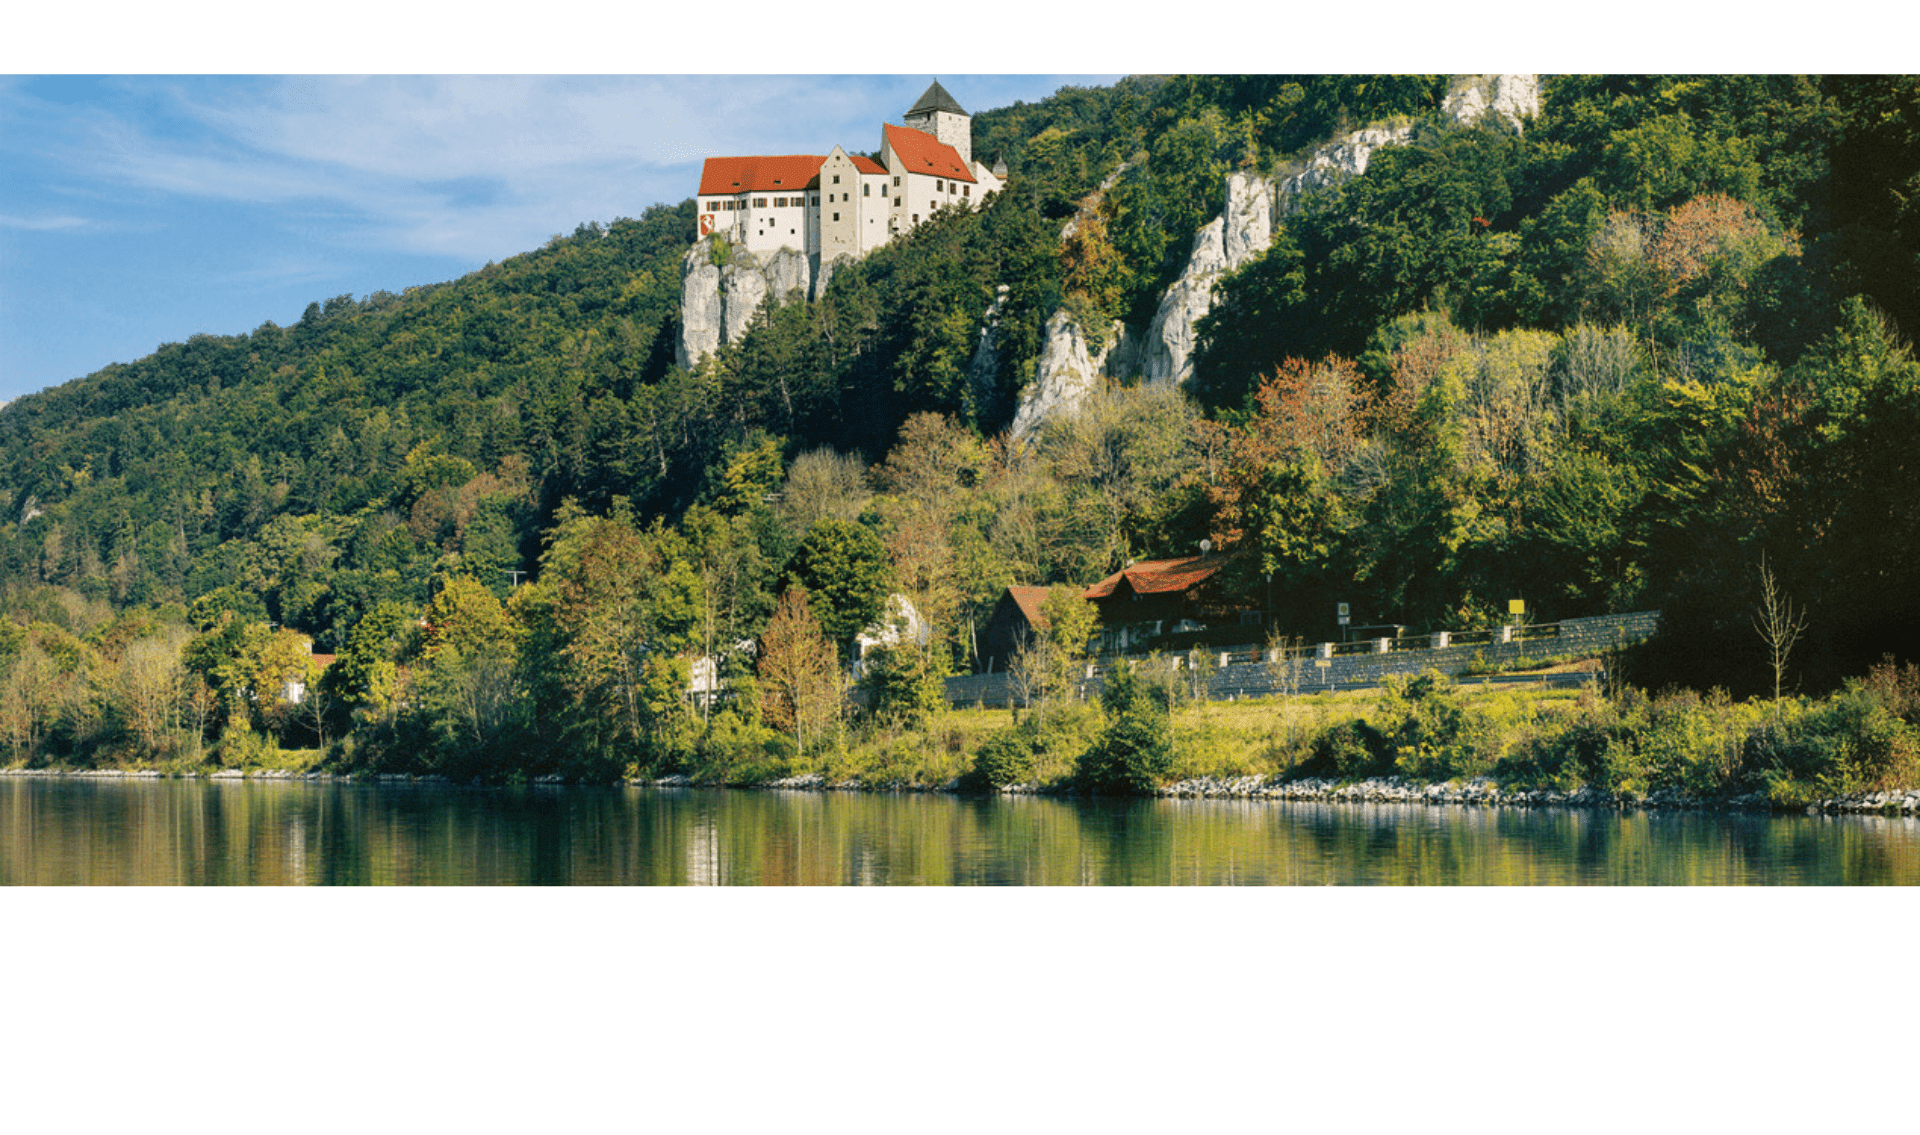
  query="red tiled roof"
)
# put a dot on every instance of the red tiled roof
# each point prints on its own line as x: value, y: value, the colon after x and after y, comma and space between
x: 323, y: 660
x: 923, y: 153
x: 1158, y: 577
x: 721, y: 177
x: 1028, y: 599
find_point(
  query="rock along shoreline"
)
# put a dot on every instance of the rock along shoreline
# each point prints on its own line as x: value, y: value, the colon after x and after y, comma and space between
x: 1478, y: 792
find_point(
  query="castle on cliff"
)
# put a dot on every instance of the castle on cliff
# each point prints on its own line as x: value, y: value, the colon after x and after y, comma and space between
x: 843, y: 205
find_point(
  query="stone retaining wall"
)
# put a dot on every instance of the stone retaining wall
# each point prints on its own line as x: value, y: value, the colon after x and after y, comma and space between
x: 1360, y: 665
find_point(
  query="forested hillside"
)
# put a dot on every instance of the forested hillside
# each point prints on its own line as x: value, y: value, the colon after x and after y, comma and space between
x: 1621, y: 356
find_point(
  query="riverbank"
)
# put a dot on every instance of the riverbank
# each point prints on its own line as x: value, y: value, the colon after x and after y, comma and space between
x: 1477, y: 792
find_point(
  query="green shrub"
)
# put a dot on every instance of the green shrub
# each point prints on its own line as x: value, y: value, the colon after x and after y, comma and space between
x: 1005, y: 757
x: 1429, y: 733
x: 1135, y: 754
x: 1347, y: 750
x: 738, y: 749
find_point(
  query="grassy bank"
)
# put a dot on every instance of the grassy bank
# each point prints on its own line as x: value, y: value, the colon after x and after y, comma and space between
x: 1430, y: 730
x: 1426, y: 729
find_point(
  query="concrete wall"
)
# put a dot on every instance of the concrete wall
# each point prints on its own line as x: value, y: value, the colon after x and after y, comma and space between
x: 1363, y: 664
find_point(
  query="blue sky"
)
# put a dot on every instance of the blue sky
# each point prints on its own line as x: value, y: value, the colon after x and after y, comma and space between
x: 137, y: 210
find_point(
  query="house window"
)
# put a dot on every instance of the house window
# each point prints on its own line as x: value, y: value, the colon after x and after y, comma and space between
x: 836, y: 179
x: 966, y: 191
x: 866, y: 191
x: 836, y: 216
x: 759, y: 202
x: 896, y: 181
x: 938, y: 185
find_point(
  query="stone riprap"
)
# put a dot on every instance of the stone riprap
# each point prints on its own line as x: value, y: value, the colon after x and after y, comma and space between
x: 1480, y: 791
x: 1484, y: 791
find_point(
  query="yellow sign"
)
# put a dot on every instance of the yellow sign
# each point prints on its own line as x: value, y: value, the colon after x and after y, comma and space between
x: 1322, y: 663
x: 1516, y: 606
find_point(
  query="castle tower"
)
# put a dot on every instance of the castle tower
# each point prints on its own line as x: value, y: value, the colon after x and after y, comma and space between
x: 939, y: 115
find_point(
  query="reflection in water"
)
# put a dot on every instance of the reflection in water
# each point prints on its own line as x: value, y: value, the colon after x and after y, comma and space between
x: 55, y: 832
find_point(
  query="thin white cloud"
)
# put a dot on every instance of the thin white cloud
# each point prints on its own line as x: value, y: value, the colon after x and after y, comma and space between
x: 43, y: 223
x: 474, y: 167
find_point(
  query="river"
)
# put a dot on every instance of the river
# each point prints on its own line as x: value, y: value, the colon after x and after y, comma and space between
x: 133, y: 832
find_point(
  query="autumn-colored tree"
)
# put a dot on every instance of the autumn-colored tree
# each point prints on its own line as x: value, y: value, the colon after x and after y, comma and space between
x: 801, y: 686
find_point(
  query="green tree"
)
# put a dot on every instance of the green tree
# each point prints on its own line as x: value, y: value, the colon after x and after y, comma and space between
x: 1135, y: 754
x: 843, y: 567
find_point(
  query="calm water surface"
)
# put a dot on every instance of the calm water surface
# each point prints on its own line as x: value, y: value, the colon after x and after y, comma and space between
x: 60, y: 832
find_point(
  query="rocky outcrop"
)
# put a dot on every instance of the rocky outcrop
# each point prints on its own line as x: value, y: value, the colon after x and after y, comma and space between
x: 986, y: 353
x: 719, y: 301
x: 1170, y: 337
x: 1514, y: 98
x: 1068, y: 371
x: 1242, y: 231
x: 1255, y: 206
x: 1334, y: 163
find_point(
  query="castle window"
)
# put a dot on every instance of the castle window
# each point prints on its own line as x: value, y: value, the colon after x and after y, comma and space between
x: 896, y: 181
x: 938, y: 185
x: 836, y: 216
x: 866, y: 191
x: 759, y: 202
x: 836, y: 179
x: 966, y: 191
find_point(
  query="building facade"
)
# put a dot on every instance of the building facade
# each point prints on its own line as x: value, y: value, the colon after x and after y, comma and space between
x: 846, y: 205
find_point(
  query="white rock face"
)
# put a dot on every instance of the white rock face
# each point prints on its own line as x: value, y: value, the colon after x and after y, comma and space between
x: 1336, y: 162
x: 1255, y: 206
x: 742, y: 289
x: 1066, y: 373
x: 700, y: 317
x: 1169, y: 355
x: 1512, y: 97
x: 1249, y: 218
x: 717, y: 304
x: 986, y: 353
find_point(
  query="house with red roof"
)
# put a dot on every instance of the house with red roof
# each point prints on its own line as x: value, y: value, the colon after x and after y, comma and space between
x: 1016, y: 621
x: 845, y: 205
x: 1150, y: 598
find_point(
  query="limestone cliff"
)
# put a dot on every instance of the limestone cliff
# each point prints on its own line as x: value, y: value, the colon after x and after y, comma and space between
x: 718, y: 302
x: 1067, y: 371
x: 986, y: 353
x: 1515, y: 98
x: 1255, y: 205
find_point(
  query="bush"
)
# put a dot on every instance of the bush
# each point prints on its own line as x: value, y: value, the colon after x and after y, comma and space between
x: 1349, y: 750
x: 738, y: 749
x: 1431, y: 735
x: 1850, y: 743
x: 1135, y: 754
x: 905, y: 684
x: 1005, y: 757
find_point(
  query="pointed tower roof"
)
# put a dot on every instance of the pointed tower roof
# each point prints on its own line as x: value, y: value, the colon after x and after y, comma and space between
x: 936, y: 98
